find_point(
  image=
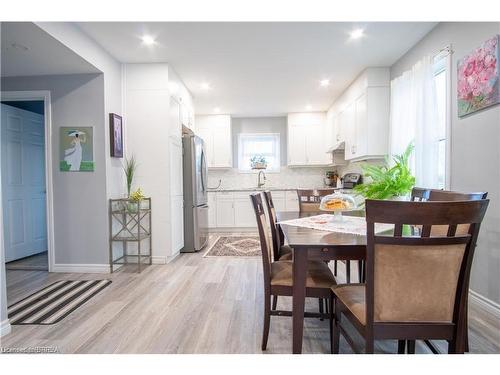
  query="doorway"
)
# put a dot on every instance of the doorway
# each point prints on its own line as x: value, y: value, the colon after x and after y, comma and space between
x: 25, y: 181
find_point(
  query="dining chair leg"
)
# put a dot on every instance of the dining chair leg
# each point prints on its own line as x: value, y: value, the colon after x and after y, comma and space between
x: 321, y: 310
x: 267, y: 321
x: 369, y: 345
x: 329, y: 304
x: 337, y: 316
x: 401, y: 346
x: 411, y: 346
x: 275, y: 302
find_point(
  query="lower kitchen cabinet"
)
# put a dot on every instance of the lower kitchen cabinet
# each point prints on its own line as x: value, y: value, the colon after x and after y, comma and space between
x: 235, y: 210
x: 225, y: 210
x: 244, y: 215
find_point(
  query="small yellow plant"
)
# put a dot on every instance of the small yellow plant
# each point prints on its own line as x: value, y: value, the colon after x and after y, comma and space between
x: 137, y: 195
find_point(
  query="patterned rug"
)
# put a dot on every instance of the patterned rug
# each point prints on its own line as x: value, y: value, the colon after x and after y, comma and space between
x: 235, y: 246
x: 54, y: 302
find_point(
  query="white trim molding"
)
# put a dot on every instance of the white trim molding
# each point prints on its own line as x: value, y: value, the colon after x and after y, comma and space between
x: 485, y: 304
x: 5, y: 327
x: 45, y: 96
x: 81, y: 268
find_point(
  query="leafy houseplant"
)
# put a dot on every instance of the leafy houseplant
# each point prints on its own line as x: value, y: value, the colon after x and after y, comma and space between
x: 129, y: 169
x: 258, y: 162
x: 388, y: 182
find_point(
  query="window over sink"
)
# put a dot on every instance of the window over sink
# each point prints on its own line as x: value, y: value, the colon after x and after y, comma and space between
x: 259, y: 146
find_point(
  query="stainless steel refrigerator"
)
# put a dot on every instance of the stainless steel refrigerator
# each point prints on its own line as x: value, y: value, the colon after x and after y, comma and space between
x: 195, y: 193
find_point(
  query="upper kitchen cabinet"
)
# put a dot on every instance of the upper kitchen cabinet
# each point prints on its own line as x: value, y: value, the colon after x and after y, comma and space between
x: 215, y: 130
x: 307, y: 145
x: 362, y: 114
x: 183, y: 97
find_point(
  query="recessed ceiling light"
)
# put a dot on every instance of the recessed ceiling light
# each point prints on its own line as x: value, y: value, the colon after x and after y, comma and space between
x: 205, y: 86
x: 324, y: 82
x: 309, y: 107
x: 148, y: 40
x: 357, y: 33
x: 216, y: 110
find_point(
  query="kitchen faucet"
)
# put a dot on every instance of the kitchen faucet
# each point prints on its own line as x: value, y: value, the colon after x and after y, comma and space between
x: 259, y: 182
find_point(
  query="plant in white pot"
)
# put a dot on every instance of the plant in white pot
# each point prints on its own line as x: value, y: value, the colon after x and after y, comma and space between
x: 387, y: 182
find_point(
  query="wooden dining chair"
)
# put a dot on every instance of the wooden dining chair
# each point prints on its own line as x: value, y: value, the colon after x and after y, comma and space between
x: 310, y: 199
x: 278, y: 275
x: 280, y: 251
x: 449, y: 195
x: 416, y: 287
x: 419, y: 194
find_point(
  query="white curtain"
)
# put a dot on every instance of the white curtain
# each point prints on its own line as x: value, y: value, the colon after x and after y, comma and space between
x: 414, y: 117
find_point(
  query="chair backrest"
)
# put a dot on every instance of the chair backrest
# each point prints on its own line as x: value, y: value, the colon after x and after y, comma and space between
x: 419, y: 194
x: 310, y: 199
x: 263, y: 236
x: 419, y: 279
x: 275, y: 233
x: 448, y: 195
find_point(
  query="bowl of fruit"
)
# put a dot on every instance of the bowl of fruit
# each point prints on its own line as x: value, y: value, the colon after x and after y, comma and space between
x: 338, y: 203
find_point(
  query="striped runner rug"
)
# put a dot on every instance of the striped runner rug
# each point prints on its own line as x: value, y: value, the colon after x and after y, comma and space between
x: 54, y: 302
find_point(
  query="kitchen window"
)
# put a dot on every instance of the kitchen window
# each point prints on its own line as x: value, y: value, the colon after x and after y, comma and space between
x: 266, y: 146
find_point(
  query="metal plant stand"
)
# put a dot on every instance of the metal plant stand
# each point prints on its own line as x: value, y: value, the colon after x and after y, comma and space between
x: 130, y: 221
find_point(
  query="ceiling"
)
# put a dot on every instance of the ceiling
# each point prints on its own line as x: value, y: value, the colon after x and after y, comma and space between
x: 257, y: 69
x: 27, y: 50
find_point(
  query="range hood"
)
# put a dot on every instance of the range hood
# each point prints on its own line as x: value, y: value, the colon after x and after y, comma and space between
x: 340, y: 146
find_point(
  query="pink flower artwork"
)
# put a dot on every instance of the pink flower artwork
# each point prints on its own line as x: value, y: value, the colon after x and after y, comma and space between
x: 478, y: 78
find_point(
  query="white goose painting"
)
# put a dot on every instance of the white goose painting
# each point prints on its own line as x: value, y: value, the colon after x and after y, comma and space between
x: 76, y: 149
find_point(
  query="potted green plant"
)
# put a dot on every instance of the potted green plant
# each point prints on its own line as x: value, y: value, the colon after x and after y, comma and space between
x: 388, y: 182
x: 129, y: 169
x: 258, y: 162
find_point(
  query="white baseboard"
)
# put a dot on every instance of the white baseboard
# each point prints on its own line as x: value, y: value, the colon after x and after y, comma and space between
x: 5, y: 327
x: 81, y: 268
x: 484, y: 304
x: 164, y: 259
x: 172, y: 257
x: 159, y: 259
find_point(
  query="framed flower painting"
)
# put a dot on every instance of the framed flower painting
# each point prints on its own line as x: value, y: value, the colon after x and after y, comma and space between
x: 478, y: 78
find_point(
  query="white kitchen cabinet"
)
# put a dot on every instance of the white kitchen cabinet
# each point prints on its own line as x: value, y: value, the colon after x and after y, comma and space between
x: 215, y: 130
x: 291, y: 201
x: 212, y: 209
x: 225, y: 210
x: 279, y: 200
x: 363, y: 116
x: 244, y: 215
x: 307, y: 144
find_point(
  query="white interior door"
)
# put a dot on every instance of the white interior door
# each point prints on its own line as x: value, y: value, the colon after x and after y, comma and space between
x: 23, y: 183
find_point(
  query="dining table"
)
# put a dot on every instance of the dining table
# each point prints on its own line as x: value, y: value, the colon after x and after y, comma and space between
x: 313, y: 244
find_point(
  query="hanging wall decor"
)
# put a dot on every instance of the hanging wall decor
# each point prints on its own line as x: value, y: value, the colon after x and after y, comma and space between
x: 76, y: 149
x: 116, y: 135
x: 478, y: 78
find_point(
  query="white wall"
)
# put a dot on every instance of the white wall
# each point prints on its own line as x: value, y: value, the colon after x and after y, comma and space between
x: 475, y: 146
x: 146, y: 100
x: 80, y: 204
x: 74, y: 38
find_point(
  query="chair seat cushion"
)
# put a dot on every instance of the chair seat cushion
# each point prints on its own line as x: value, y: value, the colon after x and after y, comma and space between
x: 353, y: 297
x: 318, y: 274
x: 286, y: 253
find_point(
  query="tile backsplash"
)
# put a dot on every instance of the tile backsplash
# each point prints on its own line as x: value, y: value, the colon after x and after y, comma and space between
x: 286, y: 178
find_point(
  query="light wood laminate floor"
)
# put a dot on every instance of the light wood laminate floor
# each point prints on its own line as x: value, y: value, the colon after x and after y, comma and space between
x: 192, y: 305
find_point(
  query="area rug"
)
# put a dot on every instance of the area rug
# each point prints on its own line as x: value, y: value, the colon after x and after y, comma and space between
x: 235, y: 246
x: 54, y: 302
